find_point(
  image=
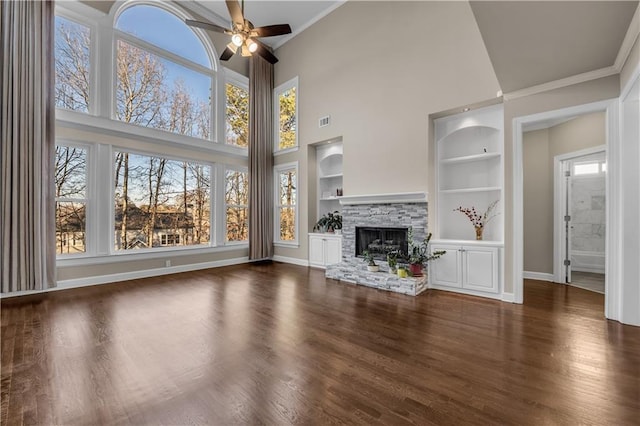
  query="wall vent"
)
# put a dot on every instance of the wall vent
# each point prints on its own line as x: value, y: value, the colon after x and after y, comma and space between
x: 324, y: 121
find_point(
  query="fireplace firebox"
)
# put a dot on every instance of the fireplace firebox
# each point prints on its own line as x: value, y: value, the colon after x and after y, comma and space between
x: 380, y: 241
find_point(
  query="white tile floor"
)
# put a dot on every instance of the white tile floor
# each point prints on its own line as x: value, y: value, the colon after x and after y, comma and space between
x: 588, y: 281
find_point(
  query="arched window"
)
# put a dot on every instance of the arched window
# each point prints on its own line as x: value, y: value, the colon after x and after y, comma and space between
x: 164, y: 74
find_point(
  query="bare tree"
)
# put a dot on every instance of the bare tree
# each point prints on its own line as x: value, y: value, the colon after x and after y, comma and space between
x: 155, y: 174
x: 237, y: 115
x: 72, y: 43
x: 140, y: 88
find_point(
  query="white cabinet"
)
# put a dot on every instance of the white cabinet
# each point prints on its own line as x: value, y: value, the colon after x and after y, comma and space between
x: 324, y: 249
x: 473, y: 268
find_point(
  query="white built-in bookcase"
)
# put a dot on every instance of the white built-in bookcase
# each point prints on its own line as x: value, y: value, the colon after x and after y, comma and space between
x: 469, y: 148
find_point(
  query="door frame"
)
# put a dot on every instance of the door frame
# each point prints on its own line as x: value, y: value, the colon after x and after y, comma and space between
x: 560, y: 190
x: 612, y: 284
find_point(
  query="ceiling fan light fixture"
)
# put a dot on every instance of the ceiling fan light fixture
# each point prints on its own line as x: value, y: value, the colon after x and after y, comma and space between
x: 252, y: 45
x: 237, y: 39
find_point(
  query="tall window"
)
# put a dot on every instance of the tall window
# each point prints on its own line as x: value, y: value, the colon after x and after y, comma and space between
x: 160, y: 202
x: 286, y: 178
x: 71, y: 199
x: 236, y: 205
x: 160, y: 83
x: 72, y: 63
x: 286, y: 113
x: 237, y: 115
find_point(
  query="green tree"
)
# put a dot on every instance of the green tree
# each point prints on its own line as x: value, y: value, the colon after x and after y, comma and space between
x: 288, y: 119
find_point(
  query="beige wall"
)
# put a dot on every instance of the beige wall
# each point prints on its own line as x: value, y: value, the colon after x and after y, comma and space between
x: 380, y: 90
x: 539, y: 149
x: 577, y: 94
x: 538, y: 202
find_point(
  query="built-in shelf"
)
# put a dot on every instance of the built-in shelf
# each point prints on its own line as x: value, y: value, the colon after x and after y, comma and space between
x: 470, y: 158
x: 329, y: 177
x: 337, y: 175
x: 465, y: 190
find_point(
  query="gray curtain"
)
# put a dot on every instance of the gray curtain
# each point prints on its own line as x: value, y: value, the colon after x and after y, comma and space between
x: 260, y: 159
x: 28, y: 145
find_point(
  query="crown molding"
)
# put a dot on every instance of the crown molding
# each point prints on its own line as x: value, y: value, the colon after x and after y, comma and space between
x: 629, y: 39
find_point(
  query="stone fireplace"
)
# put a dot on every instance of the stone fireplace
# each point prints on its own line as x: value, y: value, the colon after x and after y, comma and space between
x: 387, y: 217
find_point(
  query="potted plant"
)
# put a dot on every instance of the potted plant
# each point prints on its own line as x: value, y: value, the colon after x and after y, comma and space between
x: 329, y: 222
x: 419, y: 254
x: 371, y: 263
x: 392, y: 260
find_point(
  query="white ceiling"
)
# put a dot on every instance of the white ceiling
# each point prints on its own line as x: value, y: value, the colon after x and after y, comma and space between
x: 298, y: 14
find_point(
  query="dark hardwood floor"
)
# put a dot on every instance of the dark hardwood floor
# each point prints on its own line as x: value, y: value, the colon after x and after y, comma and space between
x: 278, y: 344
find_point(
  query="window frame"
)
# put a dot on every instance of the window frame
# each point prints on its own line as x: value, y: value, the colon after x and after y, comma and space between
x: 81, y: 16
x: 88, y: 200
x: 102, y: 135
x: 237, y: 79
x: 119, y: 35
x: 290, y: 84
x: 277, y: 171
x: 232, y: 168
x: 112, y: 239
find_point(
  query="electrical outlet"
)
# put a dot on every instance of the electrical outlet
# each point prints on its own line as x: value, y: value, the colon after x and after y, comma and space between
x: 167, y: 263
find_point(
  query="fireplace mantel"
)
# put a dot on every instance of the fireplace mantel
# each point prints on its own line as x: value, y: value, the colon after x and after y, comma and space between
x: 400, y: 197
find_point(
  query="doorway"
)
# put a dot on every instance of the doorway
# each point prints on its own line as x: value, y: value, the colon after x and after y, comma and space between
x: 581, y: 179
x: 610, y: 107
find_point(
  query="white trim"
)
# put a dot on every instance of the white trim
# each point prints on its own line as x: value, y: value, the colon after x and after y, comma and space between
x: 126, y: 276
x: 507, y: 297
x: 563, y: 82
x: 287, y: 85
x: 286, y: 151
x: 277, y: 170
x: 309, y: 23
x: 559, y: 190
x: 629, y: 39
x: 291, y: 260
x: 400, y: 197
x: 611, y: 282
x: 120, y: 129
x: 461, y: 290
x: 540, y: 276
x: 155, y: 253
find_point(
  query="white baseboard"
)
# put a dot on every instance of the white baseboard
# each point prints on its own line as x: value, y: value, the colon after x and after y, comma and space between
x: 292, y: 260
x: 125, y: 276
x: 584, y: 268
x: 508, y: 297
x: 540, y: 276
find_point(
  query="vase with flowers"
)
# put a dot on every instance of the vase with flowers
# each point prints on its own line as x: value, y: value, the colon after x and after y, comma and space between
x: 479, y: 221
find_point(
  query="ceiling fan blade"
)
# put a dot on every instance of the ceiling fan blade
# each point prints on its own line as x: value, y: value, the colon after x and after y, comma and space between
x: 206, y: 26
x: 235, y: 12
x: 264, y: 51
x: 229, y: 51
x: 272, y: 30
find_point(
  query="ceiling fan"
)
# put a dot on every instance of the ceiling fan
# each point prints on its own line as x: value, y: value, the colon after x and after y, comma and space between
x: 244, y: 35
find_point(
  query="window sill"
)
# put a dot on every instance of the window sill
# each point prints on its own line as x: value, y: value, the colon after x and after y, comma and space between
x: 286, y: 151
x: 106, y: 126
x: 286, y: 244
x: 158, y: 253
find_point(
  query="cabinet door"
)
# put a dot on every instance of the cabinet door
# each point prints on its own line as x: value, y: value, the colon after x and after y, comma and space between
x: 316, y: 251
x: 333, y: 253
x: 480, y: 269
x: 447, y: 270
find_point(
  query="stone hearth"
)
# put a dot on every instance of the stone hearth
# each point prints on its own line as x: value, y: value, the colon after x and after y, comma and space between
x: 407, y: 210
